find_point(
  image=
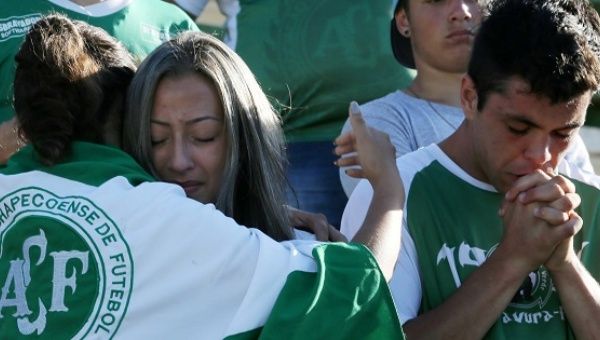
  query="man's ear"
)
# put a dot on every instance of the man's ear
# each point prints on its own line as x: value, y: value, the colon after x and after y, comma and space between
x: 402, y: 23
x: 468, y: 97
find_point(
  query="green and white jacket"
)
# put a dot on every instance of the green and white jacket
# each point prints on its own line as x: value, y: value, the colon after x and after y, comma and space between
x: 92, y: 248
x: 451, y: 225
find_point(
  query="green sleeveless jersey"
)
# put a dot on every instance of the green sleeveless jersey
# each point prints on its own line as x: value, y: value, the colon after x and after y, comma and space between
x: 141, y: 25
x: 312, y: 57
x: 452, y: 226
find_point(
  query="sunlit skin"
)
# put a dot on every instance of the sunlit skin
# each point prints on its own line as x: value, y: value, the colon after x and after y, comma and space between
x: 515, y: 133
x: 189, y: 144
x: 441, y: 32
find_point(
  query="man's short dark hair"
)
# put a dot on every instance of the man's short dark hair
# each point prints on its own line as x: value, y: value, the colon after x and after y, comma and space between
x: 553, y: 45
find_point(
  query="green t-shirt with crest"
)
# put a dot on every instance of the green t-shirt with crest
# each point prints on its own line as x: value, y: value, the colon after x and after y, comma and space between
x: 451, y: 226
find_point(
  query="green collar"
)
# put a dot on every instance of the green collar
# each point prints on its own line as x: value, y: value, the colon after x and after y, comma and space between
x: 88, y: 163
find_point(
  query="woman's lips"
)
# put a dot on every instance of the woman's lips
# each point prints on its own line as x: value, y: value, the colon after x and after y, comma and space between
x: 189, y: 186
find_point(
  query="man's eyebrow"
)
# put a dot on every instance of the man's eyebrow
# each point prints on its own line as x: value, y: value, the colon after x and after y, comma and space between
x: 520, y: 119
x: 524, y: 120
x: 572, y: 125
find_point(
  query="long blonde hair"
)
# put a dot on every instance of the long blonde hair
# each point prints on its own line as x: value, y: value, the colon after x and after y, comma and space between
x: 253, y: 188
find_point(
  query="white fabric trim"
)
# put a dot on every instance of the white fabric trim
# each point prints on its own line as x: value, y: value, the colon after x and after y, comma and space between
x: 455, y: 169
x: 302, y: 235
x: 576, y: 172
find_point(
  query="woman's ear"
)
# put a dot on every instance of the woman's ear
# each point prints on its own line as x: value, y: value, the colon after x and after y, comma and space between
x: 402, y: 23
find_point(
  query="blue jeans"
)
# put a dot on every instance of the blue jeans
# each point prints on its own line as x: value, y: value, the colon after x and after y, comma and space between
x: 315, y: 180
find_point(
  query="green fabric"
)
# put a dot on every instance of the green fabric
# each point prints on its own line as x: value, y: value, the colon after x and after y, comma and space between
x: 141, y: 26
x: 216, y: 31
x: 312, y: 57
x: 593, y: 113
x: 457, y: 228
x: 88, y: 163
x: 58, y: 237
x: 348, y: 299
x: 590, y: 212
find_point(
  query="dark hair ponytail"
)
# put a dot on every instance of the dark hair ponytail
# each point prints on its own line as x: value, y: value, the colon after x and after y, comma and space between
x: 65, y: 73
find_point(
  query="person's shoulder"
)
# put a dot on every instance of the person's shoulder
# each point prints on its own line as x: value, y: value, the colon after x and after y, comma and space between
x: 417, y: 161
x: 587, y: 186
x: 393, y: 101
x: 419, y: 158
x: 396, y: 107
x: 390, y: 110
x: 378, y: 110
x: 580, y: 175
x: 167, y: 195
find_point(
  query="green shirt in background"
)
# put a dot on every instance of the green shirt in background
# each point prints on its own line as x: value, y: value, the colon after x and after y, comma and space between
x: 312, y: 57
x: 141, y: 26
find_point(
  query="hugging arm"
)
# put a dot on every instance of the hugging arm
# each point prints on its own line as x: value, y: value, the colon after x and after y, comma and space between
x: 380, y: 230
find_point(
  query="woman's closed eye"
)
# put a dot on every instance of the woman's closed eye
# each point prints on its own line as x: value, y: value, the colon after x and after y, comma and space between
x: 205, y: 131
x: 157, y: 141
x: 203, y: 139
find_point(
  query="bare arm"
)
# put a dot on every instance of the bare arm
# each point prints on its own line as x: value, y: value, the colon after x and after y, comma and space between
x: 380, y: 231
x: 579, y: 292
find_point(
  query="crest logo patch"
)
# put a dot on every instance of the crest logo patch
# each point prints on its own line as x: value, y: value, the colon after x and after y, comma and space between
x: 65, y: 269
